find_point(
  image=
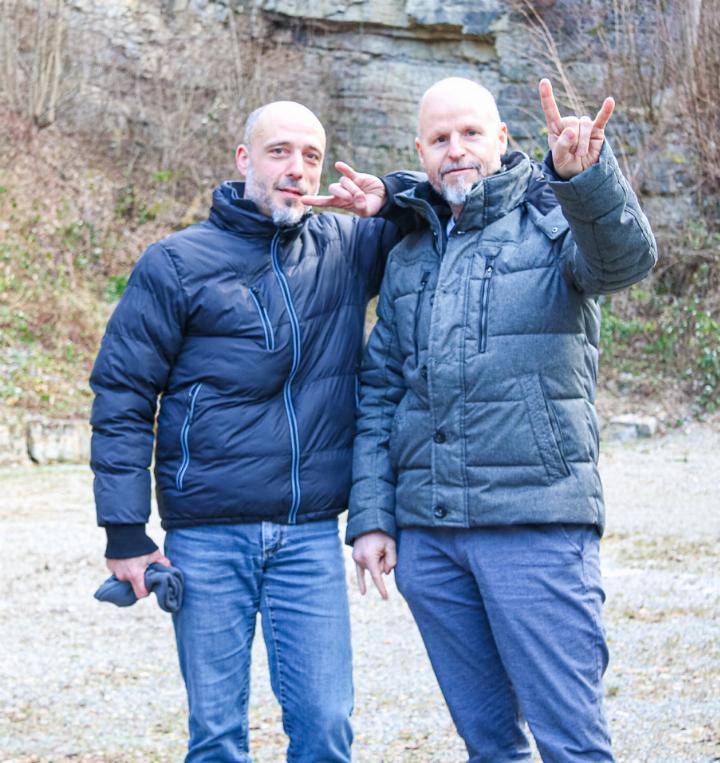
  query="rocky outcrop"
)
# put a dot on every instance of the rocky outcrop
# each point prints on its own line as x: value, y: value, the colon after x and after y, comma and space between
x: 44, y: 441
x: 360, y: 64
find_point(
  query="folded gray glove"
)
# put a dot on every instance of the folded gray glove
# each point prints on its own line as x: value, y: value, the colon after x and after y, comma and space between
x: 165, y: 582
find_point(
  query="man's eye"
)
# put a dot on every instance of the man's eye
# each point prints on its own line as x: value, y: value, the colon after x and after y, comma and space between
x: 441, y: 139
x: 277, y: 151
x: 312, y: 157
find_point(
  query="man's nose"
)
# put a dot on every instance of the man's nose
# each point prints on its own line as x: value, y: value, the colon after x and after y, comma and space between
x: 295, y: 165
x: 455, y: 146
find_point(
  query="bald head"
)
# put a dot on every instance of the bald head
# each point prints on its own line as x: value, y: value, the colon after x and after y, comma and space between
x: 460, y: 137
x: 281, y: 110
x: 281, y: 159
x: 455, y: 90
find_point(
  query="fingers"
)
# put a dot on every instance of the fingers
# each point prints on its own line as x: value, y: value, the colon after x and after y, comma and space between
x: 344, y: 194
x: 585, y: 128
x: 567, y: 141
x: 358, y: 195
x: 376, y: 574
x: 319, y: 201
x: 346, y: 170
x: 549, y: 107
x: 603, y: 116
x: 137, y: 581
x: 360, y: 574
x: 390, y: 557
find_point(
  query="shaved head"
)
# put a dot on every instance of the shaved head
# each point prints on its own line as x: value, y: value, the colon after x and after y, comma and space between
x: 283, y: 110
x: 456, y: 89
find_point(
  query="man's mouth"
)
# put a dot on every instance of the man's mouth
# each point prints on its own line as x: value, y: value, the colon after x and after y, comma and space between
x: 458, y: 170
x: 297, y: 192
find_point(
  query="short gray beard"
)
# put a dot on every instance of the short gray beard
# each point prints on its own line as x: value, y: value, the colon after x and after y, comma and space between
x: 283, y: 217
x: 286, y: 217
x: 456, y: 194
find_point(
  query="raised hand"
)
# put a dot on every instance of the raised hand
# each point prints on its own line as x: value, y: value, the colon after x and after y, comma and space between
x: 355, y: 191
x: 575, y: 142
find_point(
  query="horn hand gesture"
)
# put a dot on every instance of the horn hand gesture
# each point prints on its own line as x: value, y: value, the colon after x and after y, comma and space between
x: 575, y: 142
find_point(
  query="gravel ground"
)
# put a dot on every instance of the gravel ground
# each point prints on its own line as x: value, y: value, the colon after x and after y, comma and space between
x: 81, y: 681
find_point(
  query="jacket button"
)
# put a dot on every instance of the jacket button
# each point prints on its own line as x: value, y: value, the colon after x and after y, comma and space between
x: 423, y: 372
x: 439, y: 436
x: 440, y: 512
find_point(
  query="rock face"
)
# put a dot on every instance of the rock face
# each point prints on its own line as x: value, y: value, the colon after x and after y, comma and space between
x: 361, y: 65
x: 13, y: 445
x: 44, y: 441
x: 51, y: 442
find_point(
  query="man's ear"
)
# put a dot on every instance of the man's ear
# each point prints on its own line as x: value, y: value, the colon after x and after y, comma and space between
x: 418, y: 148
x: 242, y: 159
x: 503, y: 138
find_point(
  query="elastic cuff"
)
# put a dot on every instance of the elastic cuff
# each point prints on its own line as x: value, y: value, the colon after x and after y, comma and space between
x: 360, y: 524
x: 128, y: 541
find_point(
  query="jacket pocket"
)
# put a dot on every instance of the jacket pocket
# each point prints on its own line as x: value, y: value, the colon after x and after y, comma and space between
x: 264, y: 319
x: 484, y: 302
x: 541, y: 421
x: 185, y: 435
x: 418, y: 309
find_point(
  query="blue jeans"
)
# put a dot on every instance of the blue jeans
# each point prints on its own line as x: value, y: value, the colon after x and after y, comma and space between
x: 294, y: 576
x: 511, y: 620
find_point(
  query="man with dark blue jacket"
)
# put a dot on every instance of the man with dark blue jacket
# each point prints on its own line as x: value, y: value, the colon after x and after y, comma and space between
x: 248, y: 328
x: 477, y: 440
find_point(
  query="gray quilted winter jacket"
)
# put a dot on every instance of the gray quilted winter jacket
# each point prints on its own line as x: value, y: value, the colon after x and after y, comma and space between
x: 478, y: 383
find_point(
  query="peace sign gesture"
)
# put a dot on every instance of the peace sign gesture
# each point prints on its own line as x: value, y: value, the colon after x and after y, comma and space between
x: 575, y: 142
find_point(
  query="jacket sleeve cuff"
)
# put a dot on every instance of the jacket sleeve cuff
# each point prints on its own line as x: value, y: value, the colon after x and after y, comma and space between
x: 395, y: 183
x: 128, y: 541
x: 369, y: 521
x: 594, y: 192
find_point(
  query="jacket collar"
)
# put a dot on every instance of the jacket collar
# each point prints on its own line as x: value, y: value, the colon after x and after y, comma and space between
x: 490, y: 198
x: 230, y: 210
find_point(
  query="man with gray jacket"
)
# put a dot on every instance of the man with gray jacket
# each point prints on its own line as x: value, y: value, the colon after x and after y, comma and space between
x: 477, y: 440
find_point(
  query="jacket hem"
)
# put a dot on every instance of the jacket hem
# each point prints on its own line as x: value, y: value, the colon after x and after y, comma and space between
x: 244, y: 519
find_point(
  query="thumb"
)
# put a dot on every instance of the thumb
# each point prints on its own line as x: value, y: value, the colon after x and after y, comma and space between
x: 390, y: 557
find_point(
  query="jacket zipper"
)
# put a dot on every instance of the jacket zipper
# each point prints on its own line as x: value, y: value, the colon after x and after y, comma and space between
x: 484, y: 299
x: 418, y: 306
x: 287, y: 387
x: 267, y: 326
x: 184, y: 434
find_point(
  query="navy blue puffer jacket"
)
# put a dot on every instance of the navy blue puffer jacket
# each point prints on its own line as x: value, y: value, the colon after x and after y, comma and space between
x: 251, y: 337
